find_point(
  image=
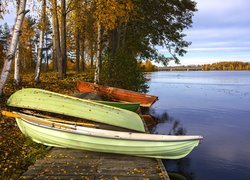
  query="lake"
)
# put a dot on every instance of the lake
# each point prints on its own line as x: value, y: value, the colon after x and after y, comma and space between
x: 214, y: 104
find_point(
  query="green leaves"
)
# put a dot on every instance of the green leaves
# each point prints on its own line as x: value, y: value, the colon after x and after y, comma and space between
x: 122, y: 71
x: 160, y: 23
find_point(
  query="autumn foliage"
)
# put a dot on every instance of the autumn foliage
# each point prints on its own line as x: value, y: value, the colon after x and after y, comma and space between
x: 226, y: 66
x: 148, y: 66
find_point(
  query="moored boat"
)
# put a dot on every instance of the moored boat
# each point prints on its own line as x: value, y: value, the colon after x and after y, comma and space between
x: 123, y: 105
x: 96, y: 98
x: 42, y: 100
x: 138, y: 144
x: 145, y: 100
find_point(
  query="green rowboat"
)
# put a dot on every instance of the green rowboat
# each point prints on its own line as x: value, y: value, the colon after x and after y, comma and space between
x: 69, y: 136
x: 128, y: 106
x: 42, y: 100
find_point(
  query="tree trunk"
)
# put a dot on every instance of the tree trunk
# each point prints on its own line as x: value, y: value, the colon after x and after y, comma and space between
x: 39, y: 58
x: 77, y: 49
x: 98, y: 62
x: 83, y: 53
x: 57, y: 37
x: 41, y: 40
x: 17, y: 76
x: 62, y: 72
x: 114, y: 42
x: 54, y: 52
x: 46, y: 53
x: 24, y: 65
x: 92, y: 56
x: 13, y: 45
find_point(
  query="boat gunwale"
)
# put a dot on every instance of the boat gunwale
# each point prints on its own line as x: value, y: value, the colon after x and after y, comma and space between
x: 77, y: 131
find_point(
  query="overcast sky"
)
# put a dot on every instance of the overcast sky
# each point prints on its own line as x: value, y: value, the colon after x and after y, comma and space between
x: 220, y: 32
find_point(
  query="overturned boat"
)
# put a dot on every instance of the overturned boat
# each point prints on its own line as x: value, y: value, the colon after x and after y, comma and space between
x: 50, y: 133
x: 145, y: 100
x: 43, y: 100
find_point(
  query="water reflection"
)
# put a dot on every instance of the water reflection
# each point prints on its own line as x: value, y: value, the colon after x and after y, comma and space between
x: 180, y: 169
x: 176, y: 128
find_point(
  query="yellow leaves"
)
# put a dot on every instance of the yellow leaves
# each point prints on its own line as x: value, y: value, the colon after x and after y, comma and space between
x: 110, y: 13
x: 136, y: 171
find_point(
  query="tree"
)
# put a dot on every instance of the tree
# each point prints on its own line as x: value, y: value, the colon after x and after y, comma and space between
x: 98, y: 62
x: 5, y: 36
x: 48, y: 42
x: 4, y: 39
x: 108, y: 15
x: 17, y: 77
x: 42, y: 27
x: 27, y: 43
x: 56, y: 39
x: 160, y: 25
x: 13, y: 44
x: 63, y: 67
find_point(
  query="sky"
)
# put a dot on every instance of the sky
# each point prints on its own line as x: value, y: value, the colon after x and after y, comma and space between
x: 220, y: 32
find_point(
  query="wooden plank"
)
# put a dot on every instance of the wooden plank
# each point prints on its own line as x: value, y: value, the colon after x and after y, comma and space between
x: 77, y: 164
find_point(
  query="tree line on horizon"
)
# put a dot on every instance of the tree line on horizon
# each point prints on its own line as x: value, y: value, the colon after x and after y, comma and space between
x: 226, y: 66
x: 108, y: 36
x: 218, y: 66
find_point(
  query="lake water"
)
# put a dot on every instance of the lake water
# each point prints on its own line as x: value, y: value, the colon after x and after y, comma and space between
x: 213, y: 104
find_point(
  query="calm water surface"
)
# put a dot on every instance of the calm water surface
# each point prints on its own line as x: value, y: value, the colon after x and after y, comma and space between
x: 215, y: 105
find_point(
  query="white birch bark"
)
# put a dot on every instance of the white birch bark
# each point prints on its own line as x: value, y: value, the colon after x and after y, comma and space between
x: 41, y: 40
x: 39, y: 57
x: 13, y: 45
x: 98, y: 63
x: 17, y: 76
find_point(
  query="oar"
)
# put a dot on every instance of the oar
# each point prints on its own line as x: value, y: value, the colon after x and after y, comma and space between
x: 46, y: 121
x: 29, y: 118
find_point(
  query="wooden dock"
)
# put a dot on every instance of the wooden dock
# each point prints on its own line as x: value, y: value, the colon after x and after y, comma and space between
x: 62, y: 163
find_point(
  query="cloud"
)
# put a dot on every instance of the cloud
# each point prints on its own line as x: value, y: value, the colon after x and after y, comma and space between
x: 217, y: 32
x: 219, y: 49
x: 212, y: 6
x: 214, y: 13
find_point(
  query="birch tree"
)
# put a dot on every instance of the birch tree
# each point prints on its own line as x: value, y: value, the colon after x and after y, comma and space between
x: 41, y: 42
x: 98, y: 63
x: 17, y: 77
x: 13, y: 45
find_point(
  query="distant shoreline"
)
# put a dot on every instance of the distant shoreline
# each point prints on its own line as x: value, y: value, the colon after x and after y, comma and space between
x: 219, y: 66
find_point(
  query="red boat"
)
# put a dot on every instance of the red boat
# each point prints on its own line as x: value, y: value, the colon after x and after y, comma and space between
x: 118, y: 94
